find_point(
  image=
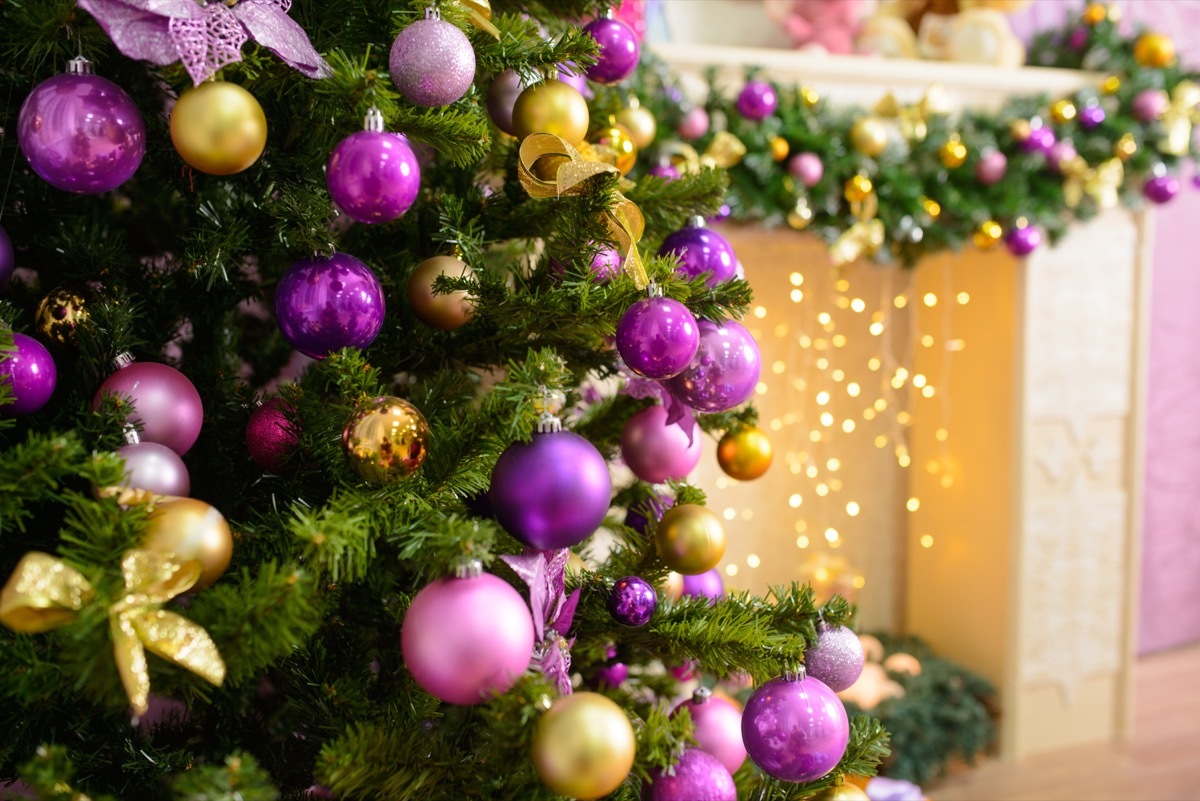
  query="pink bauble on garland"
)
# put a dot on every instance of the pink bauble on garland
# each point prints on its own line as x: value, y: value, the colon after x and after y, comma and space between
x: 657, y: 337
x: 698, y: 776
x: 30, y: 372
x: 619, y: 50
x: 155, y: 469
x: 658, y: 451
x: 165, y: 403
x: 717, y: 727
x: 836, y: 658
x: 432, y: 63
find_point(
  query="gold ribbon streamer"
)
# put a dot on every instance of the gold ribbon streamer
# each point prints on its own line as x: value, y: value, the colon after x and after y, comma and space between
x: 723, y: 152
x: 1177, y: 120
x: 480, y: 12
x: 1101, y: 183
x: 862, y: 238
x: 44, y: 593
x: 543, y: 154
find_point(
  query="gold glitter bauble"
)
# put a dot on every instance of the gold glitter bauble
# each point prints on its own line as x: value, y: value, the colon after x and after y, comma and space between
x: 858, y: 189
x: 953, y: 153
x: 988, y: 235
x: 1154, y: 50
x: 584, y: 746
x: 779, y: 148
x: 59, y: 314
x: 690, y: 539
x: 386, y: 440
x: 640, y: 122
x: 218, y: 128
x: 745, y: 454
x: 551, y: 107
x: 869, y: 136
x: 1062, y: 111
x: 448, y: 310
x: 191, y: 529
x: 614, y: 145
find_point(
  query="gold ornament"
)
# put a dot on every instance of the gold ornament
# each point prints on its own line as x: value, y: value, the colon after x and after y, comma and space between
x: 1177, y: 120
x: 1062, y: 111
x: 188, y: 529
x: 59, y: 314
x: 614, y: 145
x: 584, y: 746
x: 386, y: 439
x: 575, y: 565
x: 858, y: 188
x: 869, y: 136
x: 1125, y: 147
x: 842, y: 792
x: 988, y: 235
x: 865, y: 236
x: 690, y: 539
x: 953, y: 153
x: 1095, y: 13
x: 779, y: 148
x: 218, y: 128
x: 931, y: 206
x: 552, y: 107
x: 1154, y: 50
x: 913, y: 118
x: 1111, y: 85
x: 44, y: 592
x: 809, y: 96
x: 672, y: 586
x: 723, y: 152
x: 1020, y: 129
x: 640, y: 122
x: 1101, y: 183
x: 744, y: 454
x: 801, y: 214
x: 448, y: 310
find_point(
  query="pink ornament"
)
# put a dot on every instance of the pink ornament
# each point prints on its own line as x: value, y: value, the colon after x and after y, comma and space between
x: 665, y: 171
x: 1161, y: 189
x: 633, y: 14
x: 1149, y: 104
x: 269, y: 436
x: 432, y: 63
x: 708, y: 584
x: 1061, y: 154
x: 658, y: 451
x: 619, y: 50
x: 991, y: 167
x: 806, y: 168
x: 373, y: 174
x: 698, y: 776
x: 836, y: 658
x: 154, y: 468
x: 757, y: 100
x: 723, y: 373
x: 30, y: 372
x: 795, y: 728
x: 717, y: 726
x: 694, y: 123
x: 1023, y: 240
x: 165, y: 403
x: 657, y: 337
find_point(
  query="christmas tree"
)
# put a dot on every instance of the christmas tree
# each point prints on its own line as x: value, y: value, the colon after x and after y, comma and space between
x: 308, y: 397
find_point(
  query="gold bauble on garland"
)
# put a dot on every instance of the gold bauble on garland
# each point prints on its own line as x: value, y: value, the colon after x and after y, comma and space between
x: 59, y: 313
x: 1062, y: 111
x: 842, y: 792
x: 584, y: 746
x: 745, y: 454
x: 552, y: 107
x: 614, y: 145
x: 1154, y: 50
x: 218, y: 128
x: 191, y: 529
x: 690, y: 539
x: 448, y: 310
x: 1020, y: 129
x: 953, y: 153
x: 1111, y: 85
x: 779, y: 148
x: 858, y: 188
x: 386, y: 439
x: 869, y: 136
x: 1125, y: 147
x: 1095, y: 13
x: 988, y: 235
x: 640, y: 122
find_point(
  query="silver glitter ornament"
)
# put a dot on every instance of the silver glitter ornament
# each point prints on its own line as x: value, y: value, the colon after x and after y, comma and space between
x: 836, y: 659
x: 432, y: 62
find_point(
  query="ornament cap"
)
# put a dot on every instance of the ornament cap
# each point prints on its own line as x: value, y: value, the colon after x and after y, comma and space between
x: 795, y: 673
x: 653, y: 290
x: 121, y: 360
x: 468, y: 569
x: 373, y: 121
x: 697, y: 222
x: 79, y: 66
x: 548, y: 423
x: 130, y: 435
x: 702, y: 695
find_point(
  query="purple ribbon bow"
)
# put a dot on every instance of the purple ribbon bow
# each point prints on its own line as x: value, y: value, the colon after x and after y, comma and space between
x: 545, y: 574
x: 677, y: 411
x: 205, y: 34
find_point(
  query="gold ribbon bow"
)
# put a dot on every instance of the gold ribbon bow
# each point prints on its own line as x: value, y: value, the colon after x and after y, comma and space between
x: 862, y: 238
x: 44, y: 593
x: 723, y: 152
x: 913, y: 118
x: 1178, y: 118
x: 480, y: 12
x: 544, y: 154
x: 1102, y: 183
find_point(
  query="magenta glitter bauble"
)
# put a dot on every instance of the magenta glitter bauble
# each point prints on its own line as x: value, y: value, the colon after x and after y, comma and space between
x: 81, y: 133
x: 795, y: 729
x: 432, y: 63
x: 8, y: 259
x: 269, y: 436
x: 699, y: 776
x: 154, y: 468
x: 373, y: 176
x: 327, y: 303
x: 466, y: 639
x: 619, y: 50
x: 165, y: 403
x: 723, y: 373
x: 693, y: 124
x: 1062, y: 153
x: 1161, y: 188
x: 657, y: 337
x: 701, y: 250
x: 551, y: 492
x: 502, y: 94
x: 757, y: 100
x: 1149, y: 104
x: 657, y: 451
x: 1090, y: 117
x: 806, y: 168
x: 991, y: 167
x: 1040, y: 140
x: 708, y: 584
x: 632, y: 601
x: 665, y: 171
x: 836, y: 659
x: 30, y: 373
x: 1023, y: 241
x: 717, y: 727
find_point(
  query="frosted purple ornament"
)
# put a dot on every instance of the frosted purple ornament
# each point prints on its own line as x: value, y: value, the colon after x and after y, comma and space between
x: 165, y: 403
x: 723, y: 373
x: 269, y: 436
x: 701, y: 250
x: 154, y: 468
x: 836, y: 659
x: 8, y: 259
x: 665, y: 171
x: 80, y: 132
x: 619, y: 50
x: 1161, y: 188
x: 698, y: 776
x: 632, y: 601
x: 806, y: 168
x: 795, y: 728
x: 757, y: 100
x: 1023, y: 240
x: 30, y: 373
x: 1090, y: 117
x: 373, y: 175
x: 432, y: 63
x: 708, y: 584
x: 1040, y: 140
x: 991, y: 167
x: 658, y: 451
x: 693, y: 124
x: 501, y: 97
x: 717, y: 727
x: 1149, y: 104
x: 327, y: 303
x: 657, y: 337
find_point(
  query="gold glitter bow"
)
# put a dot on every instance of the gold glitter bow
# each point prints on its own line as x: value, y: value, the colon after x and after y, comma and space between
x: 44, y: 593
x: 723, y: 152
x: 1101, y: 183
x: 1178, y: 118
x: 913, y: 118
x: 570, y: 170
x: 862, y: 238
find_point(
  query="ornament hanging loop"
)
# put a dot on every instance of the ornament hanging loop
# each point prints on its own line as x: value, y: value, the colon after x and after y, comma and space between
x: 468, y: 568
x: 547, y: 423
x: 373, y: 122
x: 79, y: 66
x: 433, y: 12
x: 794, y: 673
x: 653, y: 290
x: 121, y: 360
x: 702, y: 695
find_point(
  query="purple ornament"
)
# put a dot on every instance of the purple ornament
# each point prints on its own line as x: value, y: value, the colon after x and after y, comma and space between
x: 1040, y: 140
x: 30, y: 372
x: 700, y: 250
x: 610, y: 676
x: 708, y: 584
x: 164, y: 401
x: 717, y: 726
x: 605, y: 265
x: 465, y: 639
x: 654, y: 506
x: 665, y: 171
x: 724, y: 372
x: 991, y: 167
x: 806, y: 168
x: 723, y: 212
x: 694, y: 123
x: 757, y: 100
x: 632, y: 601
x: 8, y: 259
x: 795, y: 728
x: 619, y: 50
x: 373, y: 176
x: 1161, y: 188
x: 552, y: 492
x: 324, y: 304
x: 836, y: 659
x: 81, y: 133
x: 685, y: 672
x: 658, y: 451
x: 657, y: 337
x: 1023, y: 240
x: 432, y: 63
x: 572, y: 76
x: 699, y: 776
x: 1062, y: 153
x: 1149, y: 104
x: 154, y: 468
x: 1078, y: 38
x: 502, y: 95
x: 269, y: 436
x: 1090, y: 117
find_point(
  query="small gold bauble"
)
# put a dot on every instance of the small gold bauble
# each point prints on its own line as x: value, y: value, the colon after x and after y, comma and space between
x: 448, y: 310
x: 779, y: 148
x: 386, y: 439
x: 931, y: 206
x: 690, y: 539
x: 744, y: 454
x: 191, y: 529
x: 614, y: 145
x: 584, y: 746
x: 1062, y: 111
x: 1154, y: 50
x: 640, y: 122
x: 801, y: 214
x: 858, y: 188
x: 59, y: 314
x: 809, y: 96
x: 842, y: 792
x: 218, y: 128
x: 1095, y: 13
x: 988, y: 235
x: 953, y: 153
x: 1125, y: 147
x: 1020, y: 129
x: 869, y: 136
x: 1111, y: 85
x: 551, y: 107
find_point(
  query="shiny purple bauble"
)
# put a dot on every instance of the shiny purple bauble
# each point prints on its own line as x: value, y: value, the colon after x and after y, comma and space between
x: 658, y: 451
x: 667, y: 172
x: 610, y: 676
x: 657, y: 337
x: 991, y: 167
x: 724, y: 372
x: 655, y: 506
x: 570, y: 74
x: 717, y: 727
x: 708, y: 584
x: 466, y: 639
x: 632, y: 601
x: 8, y: 259
x: 1062, y: 153
x: 1040, y: 140
x: 154, y: 468
x: 269, y: 436
x: 701, y: 250
x: 1090, y: 117
x: 806, y: 168
x: 619, y: 50
x: 1161, y: 188
x: 757, y: 100
x: 165, y: 403
x: 373, y: 176
x: 502, y: 96
x: 605, y: 265
x: 1023, y: 241
x: 30, y: 372
x: 836, y: 659
x: 551, y: 492
x: 432, y: 63
x: 723, y: 213
x: 327, y: 303
x: 1149, y: 104
x: 795, y: 729
x: 81, y: 133
x: 699, y: 776
x: 693, y: 124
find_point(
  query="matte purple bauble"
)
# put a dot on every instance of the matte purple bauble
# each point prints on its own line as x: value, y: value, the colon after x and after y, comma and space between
x: 657, y: 337
x: 551, y: 492
x: 8, y: 259
x: 81, y: 133
x: 1023, y: 241
x: 836, y: 659
x: 991, y: 167
x: 1090, y: 117
x: 658, y: 451
x: 699, y: 776
x: 327, y: 303
x: 795, y: 729
x: 632, y: 601
x: 1149, y: 104
x: 154, y: 468
x: 717, y: 727
x: 1062, y: 153
x: 1161, y: 188
x: 30, y: 372
x: 610, y: 676
x: 165, y: 403
x: 708, y: 584
x: 619, y: 50
x: 654, y: 506
x: 373, y: 176
x: 432, y: 63
x: 757, y: 100
x: 269, y: 436
x: 667, y: 172
x: 502, y: 95
x: 694, y: 123
x: 806, y: 168
x: 1040, y: 140
x: 701, y: 250
x: 465, y: 639
x: 724, y: 372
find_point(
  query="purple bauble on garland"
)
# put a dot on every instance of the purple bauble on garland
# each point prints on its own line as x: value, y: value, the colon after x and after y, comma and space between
x: 619, y: 50
x: 991, y: 167
x: 605, y: 266
x: 658, y: 451
x: 1023, y: 240
x: 657, y: 337
x: 165, y: 403
x: 30, y: 372
x: 610, y: 676
x: 154, y: 468
x: 373, y: 176
x: 328, y: 303
x: 1090, y: 117
x: 1040, y: 140
x: 667, y: 172
x: 1149, y: 104
x: 757, y: 100
x: 701, y: 250
x: 717, y: 727
x: 836, y: 658
x: 632, y: 601
x: 693, y: 124
x: 723, y: 373
x: 699, y: 776
x: 795, y: 728
x: 708, y: 584
x: 269, y: 436
x: 502, y: 94
x: 432, y: 63
x: 8, y: 258
x: 654, y: 506
x: 1161, y: 188
x: 806, y: 168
